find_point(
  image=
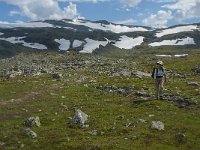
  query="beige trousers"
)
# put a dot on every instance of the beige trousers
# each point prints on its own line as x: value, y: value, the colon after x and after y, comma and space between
x: 159, y: 82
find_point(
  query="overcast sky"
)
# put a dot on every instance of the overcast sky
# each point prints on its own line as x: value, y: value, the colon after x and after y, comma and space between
x: 154, y: 13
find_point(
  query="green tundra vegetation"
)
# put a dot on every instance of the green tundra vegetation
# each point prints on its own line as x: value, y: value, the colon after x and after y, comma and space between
x: 119, y: 101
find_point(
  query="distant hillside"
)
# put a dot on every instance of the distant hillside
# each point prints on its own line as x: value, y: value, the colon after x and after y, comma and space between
x: 86, y: 36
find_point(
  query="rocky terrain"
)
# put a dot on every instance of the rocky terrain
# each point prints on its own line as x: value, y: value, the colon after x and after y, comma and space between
x: 85, y: 101
x: 87, y: 36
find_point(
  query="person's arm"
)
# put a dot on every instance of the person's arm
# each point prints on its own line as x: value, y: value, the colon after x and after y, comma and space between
x: 165, y: 76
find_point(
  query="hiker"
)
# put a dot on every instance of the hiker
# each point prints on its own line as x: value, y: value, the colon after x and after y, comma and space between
x: 159, y: 77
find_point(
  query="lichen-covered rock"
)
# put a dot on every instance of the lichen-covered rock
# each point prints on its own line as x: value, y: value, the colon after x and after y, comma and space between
x: 79, y: 119
x: 30, y: 133
x: 56, y: 76
x: 157, y: 125
x: 32, y: 121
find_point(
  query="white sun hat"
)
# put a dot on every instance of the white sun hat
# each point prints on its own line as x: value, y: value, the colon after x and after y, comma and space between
x: 160, y: 63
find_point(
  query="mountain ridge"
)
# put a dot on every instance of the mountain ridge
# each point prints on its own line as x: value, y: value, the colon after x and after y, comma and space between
x: 87, y: 36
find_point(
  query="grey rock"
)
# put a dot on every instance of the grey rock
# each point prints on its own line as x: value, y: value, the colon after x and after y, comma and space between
x: 32, y: 121
x: 196, y: 84
x: 95, y: 132
x: 197, y: 69
x: 181, y: 138
x: 79, y: 119
x: 141, y: 121
x: 144, y: 94
x: 126, y: 73
x: 56, y: 76
x: 30, y: 133
x: 157, y: 125
x: 141, y: 74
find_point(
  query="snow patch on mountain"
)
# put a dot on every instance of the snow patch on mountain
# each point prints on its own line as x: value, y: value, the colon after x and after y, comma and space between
x: 1, y: 33
x: 107, y: 27
x: 128, y: 43
x: 64, y: 44
x: 177, y: 30
x: 185, y: 41
x: 77, y: 43
x: 25, y: 25
x: 177, y: 55
x: 91, y: 45
x: 15, y: 40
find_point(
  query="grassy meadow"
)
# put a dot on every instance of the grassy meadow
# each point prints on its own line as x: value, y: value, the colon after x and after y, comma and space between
x: 113, y: 114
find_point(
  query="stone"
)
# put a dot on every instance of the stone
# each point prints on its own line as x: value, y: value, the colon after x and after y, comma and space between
x: 56, y: 76
x: 32, y: 121
x: 79, y: 119
x: 95, y: 132
x: 30, y: 133
x: 181, y: 138
x: 197, y: 69
x: 126, y: 73
x: 196, y: 84
x: 144, y: 94
x: 141, y: 74
x: 141, y: 121
x: 157, y: 125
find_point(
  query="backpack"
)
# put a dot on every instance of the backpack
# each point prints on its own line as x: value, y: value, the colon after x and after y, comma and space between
x: 152, y: 74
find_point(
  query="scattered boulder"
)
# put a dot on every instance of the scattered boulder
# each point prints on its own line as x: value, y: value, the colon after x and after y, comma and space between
x: 178, y: 100
x: 28, y: 132
x: 32, y: 121
x: 141, y: 121
x: 142, y: 94
x: 157, y: 125
x: 95, y: 132
x: 79, y: 119
x: 56, y: 76
x: 195, y: 84
x: 141, y: 74
x: 126, y: 73
x: 181, y: 138
x: 197, y: 69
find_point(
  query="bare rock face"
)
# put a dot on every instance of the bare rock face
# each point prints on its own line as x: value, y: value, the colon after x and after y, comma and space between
x: 32, y: 121
x: 79, y: 119
x: 157, y: 125
x: 30, y: 133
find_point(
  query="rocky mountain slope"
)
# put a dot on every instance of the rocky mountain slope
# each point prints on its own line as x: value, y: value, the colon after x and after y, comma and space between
x: 86, y: 36
x: 84, y: 102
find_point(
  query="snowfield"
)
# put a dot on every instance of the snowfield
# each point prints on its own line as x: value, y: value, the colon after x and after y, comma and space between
x: 77, y: 43
x: 91, y: 45
x: 128, y: 43
x: 1, y: 33
x: 185, y: 41
x: 64, y: 44
x: 105, y: 27
x: 15, y: 40
x: 177, y: 30
x: 178, y: 55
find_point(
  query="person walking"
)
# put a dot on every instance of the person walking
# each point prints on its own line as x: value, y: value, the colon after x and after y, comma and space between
x: 159, y: 76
